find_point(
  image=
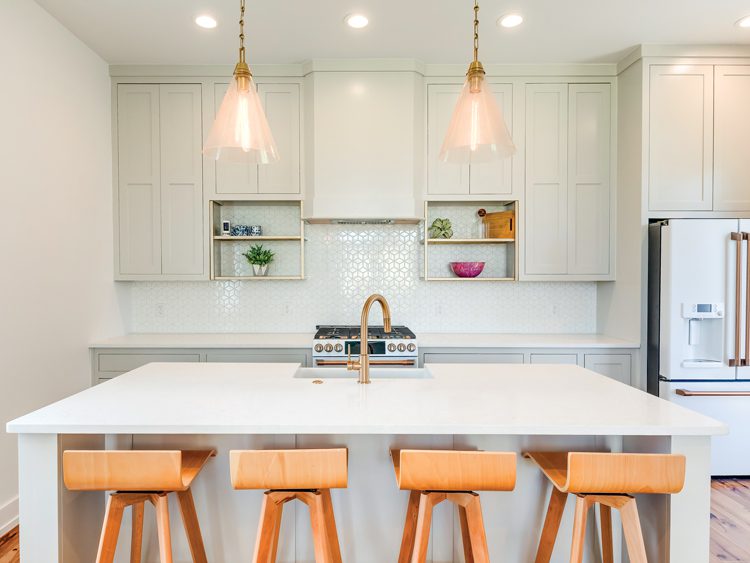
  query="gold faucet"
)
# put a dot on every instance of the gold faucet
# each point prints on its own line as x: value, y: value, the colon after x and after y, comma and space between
x: 363, y: 364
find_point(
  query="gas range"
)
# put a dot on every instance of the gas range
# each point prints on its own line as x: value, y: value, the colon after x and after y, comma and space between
x: 333, y: 343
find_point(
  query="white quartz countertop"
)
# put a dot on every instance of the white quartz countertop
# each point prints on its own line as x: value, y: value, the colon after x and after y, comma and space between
x: 233, y: 398
x: 304, y: 340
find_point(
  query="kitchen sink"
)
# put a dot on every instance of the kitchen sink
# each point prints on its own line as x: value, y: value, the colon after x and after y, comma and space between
x: 375, y: 373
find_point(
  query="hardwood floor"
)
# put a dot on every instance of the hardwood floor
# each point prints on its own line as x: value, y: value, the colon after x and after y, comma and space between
x: 9, y: 547
x: 730, y: 524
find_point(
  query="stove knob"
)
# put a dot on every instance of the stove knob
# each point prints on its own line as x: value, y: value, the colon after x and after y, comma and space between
x: 411, y: 347
x: 391, y: 347
x: 329, y: 348
x: 338, y: 348
x: 318, y: 348
x: 401, y: 347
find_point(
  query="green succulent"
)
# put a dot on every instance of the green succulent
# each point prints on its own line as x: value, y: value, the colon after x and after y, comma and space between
x: 259, y: 256
x: 441, y: 228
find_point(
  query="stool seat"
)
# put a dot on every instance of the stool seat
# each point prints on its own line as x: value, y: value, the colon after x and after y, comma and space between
x: 289, y: 469
x: 607, y: 480
x: 132, y: 470
x: 137, y: 477
x: 615, y: 473
x: 450, y: 470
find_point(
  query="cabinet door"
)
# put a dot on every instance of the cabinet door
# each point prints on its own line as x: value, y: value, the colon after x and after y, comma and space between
x: 546, y: 179
x: 571, y: 359
x: 589, y: 178
x: 616, y: 366
x: 680, y: 166
x: 495, y: 177
x: 233, y: 177
x: 731, y: 138
x: 259, y: 357
x: 471, y: 358
x: 181, y: 179
x: 443, y: 178
x: 138, y: 190
x: 282, y: 102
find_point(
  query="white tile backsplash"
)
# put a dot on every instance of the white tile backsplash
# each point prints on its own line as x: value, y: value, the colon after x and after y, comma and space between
x: 344, y: 264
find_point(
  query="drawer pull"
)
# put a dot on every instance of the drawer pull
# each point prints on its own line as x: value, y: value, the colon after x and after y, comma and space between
x: 688, y: 393
x: 372, y: 362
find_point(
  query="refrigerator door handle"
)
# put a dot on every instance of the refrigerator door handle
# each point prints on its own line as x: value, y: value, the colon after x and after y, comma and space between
x: 737, y: 360
x: 746, y: 360
x: 689, y: 393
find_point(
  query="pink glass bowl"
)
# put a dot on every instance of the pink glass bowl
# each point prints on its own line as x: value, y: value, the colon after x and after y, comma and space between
x: 467, y: 269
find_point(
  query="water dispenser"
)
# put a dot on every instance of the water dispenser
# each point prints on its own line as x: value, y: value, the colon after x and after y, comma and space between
x: 704, y: 343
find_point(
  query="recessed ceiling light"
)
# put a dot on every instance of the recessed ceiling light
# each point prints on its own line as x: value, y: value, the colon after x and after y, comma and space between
x: 743, y: 22
x: 357, y: 21
x: 206, y: 22
x: 510, y: 20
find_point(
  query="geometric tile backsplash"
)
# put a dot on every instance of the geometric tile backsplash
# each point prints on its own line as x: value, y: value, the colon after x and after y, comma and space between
x: 345, y: 264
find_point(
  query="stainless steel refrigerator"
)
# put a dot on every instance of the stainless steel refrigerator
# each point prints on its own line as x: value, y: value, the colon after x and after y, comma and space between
x: 699, y: 327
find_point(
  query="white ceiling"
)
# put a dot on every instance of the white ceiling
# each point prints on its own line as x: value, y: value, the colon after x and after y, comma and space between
x: 434, y: 31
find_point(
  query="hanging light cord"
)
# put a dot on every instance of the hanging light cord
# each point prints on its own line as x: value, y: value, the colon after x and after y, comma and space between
x: 242, y: 31
x: 476, y: 30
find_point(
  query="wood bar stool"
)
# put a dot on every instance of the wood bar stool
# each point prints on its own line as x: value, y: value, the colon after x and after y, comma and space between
x: 138, y: 476
x: 433, y: 476
x: 305, y: 475
x: 608, y: 480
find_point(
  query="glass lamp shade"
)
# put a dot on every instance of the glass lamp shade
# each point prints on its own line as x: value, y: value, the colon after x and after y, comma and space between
x: 477, y: 131
x: 240, y: 132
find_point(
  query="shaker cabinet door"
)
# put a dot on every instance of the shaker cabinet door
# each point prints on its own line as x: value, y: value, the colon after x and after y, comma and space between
x: 443, y: 178
x: 495, y: 178
x: 281, y: 102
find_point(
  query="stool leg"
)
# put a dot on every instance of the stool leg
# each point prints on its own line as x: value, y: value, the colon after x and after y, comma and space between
x: 579, y: 529
x: 465, y: 535
x: 631, y: 526
x: 424, y: 520
x: 314, y: 501
x: 192, y: 527
x: 110, y: 530
x: 330, y: 522
x: 136, y: 537
x: 472, y: 530
x: 270, y: 520
x: 410, y: 528
x: 552, y: 521
x: 605, y: 515
x: 162, y: 526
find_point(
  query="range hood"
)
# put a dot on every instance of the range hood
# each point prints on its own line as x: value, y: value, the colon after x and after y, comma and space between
x: 364, y: 142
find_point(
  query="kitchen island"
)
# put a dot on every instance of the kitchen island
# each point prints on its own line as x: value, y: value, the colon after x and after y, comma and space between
x: 232, y: 406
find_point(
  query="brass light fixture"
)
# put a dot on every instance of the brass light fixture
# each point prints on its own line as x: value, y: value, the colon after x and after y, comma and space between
x: 240, y: 131
x: 477, y: 131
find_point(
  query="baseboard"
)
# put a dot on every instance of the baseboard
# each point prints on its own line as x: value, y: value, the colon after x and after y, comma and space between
x: 8, y: 516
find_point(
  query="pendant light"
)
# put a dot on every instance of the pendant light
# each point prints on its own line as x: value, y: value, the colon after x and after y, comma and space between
x: 240, y: 131
x: 477, y: 131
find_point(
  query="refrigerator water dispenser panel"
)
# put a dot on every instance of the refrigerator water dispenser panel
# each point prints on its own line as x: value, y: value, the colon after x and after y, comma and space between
x: 705, y: 335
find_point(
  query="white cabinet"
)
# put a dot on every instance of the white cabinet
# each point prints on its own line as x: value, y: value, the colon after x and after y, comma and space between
x: 616, y: 366
x: 472, y: 358
x: 731, y: 138
x: 568, y: 228
x: 680, y: 154
x: 282, y: 106
x: 159, y: 191
x: 487, y: 178
x: 571, y: 359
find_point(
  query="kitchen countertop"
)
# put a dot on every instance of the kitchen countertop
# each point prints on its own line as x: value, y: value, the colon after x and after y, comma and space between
x: 231, y: 398
x: 304, y: 340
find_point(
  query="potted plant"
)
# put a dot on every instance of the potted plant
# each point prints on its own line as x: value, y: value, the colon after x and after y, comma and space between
x: 441, y: 228
x: 259, y: 258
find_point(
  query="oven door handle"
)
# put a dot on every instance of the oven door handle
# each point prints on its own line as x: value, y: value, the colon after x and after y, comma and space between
x: 688, y: 393
x: 372, y: 362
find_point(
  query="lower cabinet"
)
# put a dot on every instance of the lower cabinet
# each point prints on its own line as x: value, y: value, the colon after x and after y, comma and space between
x: 472, y: 358
x: 554, y: 359
x: 259, y: 357
x: 616, y: 366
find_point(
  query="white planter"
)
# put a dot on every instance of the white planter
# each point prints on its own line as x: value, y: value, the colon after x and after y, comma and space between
x: 260, y: 270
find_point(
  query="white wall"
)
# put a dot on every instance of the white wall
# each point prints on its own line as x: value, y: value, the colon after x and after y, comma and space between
x: 56, y: 288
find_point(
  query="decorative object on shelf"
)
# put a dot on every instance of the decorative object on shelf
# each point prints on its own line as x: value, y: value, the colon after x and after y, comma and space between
x: 255, y: 231
x: 259, y: 258
x: 240, y: 131
x: 441, y: 228
x: 467, y: 269
x: 247, y: 231
x: 498, y: 224
x: 477, y: 131
x: 226, y: 227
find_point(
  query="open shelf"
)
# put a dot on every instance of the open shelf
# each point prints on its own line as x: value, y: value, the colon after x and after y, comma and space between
x: 469, y: 243
x: 284, y: 234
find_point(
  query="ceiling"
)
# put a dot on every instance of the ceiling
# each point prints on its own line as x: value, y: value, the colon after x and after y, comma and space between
x: 434, y: 31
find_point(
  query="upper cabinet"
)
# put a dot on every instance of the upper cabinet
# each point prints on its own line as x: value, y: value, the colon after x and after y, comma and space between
x: 568, y: 228
x: 449, y: 179
x: 698, y: 134
x: 159, y: 182
x: 282, y: 105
